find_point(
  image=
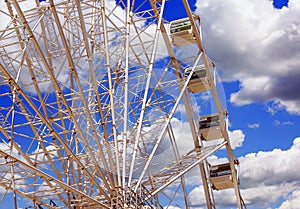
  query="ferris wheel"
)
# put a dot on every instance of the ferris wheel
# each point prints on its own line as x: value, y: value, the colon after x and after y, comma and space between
x: 100, y: 107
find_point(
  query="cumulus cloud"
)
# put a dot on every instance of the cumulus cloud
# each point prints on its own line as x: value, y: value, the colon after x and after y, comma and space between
x: 292, y: 202
x: 271, y: 175
x: 237, y: 138
x: 282, y: 169
x: 258, y: 45
x: 197, y: 197
x: 265, y: 177
x: 225, y: 198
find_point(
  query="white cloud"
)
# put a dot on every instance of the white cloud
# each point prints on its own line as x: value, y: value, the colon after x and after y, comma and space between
x: 263, y: 195
x: 291, y: 106
x: 258, y: 45
x: 225, y: 198
x: 268, y: 176
x: 197, y: 196
x: 40, y: 156
x: 184, y: 139
x: 283, y: 123
x: 254, y: 125
x: 292, y: 202
x: 251, y: 89
x: 7, y: 148
x: 257, y: 166
x: 274, y: 107
x: 265, y: 177
x: 237, y: 138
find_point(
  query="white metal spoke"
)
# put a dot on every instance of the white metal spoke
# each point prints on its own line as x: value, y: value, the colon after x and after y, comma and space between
x: 94, y: 96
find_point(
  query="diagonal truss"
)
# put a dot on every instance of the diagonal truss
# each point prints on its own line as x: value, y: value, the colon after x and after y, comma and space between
x: 91, y: 91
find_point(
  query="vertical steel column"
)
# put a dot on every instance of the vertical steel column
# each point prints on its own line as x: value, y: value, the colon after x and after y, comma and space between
x: 125, y: 115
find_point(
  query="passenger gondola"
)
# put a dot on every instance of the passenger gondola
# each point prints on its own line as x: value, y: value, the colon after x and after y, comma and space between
x: 221, y: 177
x: 198, y: 81
x: 182, y: 32
x: 209, y: 127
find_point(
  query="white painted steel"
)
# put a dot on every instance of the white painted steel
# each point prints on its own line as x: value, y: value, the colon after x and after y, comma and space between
x: 91, y: 92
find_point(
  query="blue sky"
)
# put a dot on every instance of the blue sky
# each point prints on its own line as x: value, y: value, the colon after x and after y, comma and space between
x: 256, y: 47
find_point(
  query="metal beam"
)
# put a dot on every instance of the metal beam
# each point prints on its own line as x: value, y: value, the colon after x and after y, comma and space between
x: 50, y: 178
